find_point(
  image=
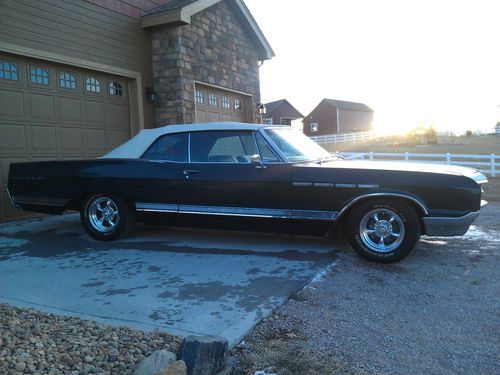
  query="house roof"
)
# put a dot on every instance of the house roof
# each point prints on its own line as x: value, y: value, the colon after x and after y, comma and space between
x: 348, y: 105
x: 270, y: 107
x: 180, y: 11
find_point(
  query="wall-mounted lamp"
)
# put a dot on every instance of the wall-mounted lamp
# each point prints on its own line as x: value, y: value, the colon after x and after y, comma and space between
x: 151, y: 95
x: 261, y: 108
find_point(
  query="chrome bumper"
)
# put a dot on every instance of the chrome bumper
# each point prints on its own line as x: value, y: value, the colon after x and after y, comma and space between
x: 449, y: 226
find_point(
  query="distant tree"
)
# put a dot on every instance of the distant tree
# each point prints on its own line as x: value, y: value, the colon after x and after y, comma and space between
x: 468, y: 133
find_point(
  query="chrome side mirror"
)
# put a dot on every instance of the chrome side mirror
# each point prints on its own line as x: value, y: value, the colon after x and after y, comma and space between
x: 256, y: 161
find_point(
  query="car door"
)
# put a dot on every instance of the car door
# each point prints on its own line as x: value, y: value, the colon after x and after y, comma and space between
x: 221, y: 180
x: 165, y: 158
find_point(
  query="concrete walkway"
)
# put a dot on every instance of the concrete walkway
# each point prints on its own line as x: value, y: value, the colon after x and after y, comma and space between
x: 184, y: 281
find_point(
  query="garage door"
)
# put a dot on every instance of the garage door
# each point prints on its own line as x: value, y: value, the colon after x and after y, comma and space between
x: 214, y: 105
x: 56, y: 112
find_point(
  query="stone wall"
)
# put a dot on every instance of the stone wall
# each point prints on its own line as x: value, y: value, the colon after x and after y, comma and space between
x: 213, y: 49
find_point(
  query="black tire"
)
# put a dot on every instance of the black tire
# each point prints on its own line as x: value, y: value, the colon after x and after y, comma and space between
x: 113, y: 225
x: 390, y: 238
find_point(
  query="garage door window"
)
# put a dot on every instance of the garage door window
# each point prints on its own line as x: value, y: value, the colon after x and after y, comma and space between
x: 212, y: 99
x: 67, y: 81
x: 8, y: 71
x: 200, y: 97
x: 93, y: 85
x: 226, y: 102
x: 237, y: 104
x: 39, y: 76
x: 115, y: 89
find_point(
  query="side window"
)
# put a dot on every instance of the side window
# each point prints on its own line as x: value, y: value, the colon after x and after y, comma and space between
x: 170, y: 147
x: 222, y: 147
x: 266, y: 154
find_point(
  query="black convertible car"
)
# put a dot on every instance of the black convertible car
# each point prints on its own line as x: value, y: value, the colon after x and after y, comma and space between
x: 254, y: 173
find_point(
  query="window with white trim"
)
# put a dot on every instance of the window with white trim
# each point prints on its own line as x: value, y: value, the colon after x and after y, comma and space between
x: 314, y: 127
x: 8, y: 71
x: 237, y: 104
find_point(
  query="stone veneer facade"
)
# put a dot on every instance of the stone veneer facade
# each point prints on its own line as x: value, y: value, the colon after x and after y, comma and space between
x: 213, y: 49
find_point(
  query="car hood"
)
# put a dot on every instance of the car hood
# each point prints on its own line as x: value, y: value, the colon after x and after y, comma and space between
x: 406, y: 167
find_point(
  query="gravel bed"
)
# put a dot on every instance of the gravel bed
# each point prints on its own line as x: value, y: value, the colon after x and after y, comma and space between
x: 435, y: 312
x: 32, y: 342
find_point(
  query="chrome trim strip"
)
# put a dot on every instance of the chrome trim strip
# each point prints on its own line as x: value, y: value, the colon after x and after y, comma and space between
x: 314, y: 215
x: 40, y: 201
x: 449, y: 226
x: 367, y: 186
x: 345, y: 185
x: 157, y: 207
x: 357, y: 199
x: 235, y: 211
x: 302, y: 184
x: 271, y: 213
x: 323, y: 184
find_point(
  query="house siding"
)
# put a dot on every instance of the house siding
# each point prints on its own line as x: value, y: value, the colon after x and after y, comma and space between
x: 80, y: 30
x: 355, y: 121
x: 214, y: 49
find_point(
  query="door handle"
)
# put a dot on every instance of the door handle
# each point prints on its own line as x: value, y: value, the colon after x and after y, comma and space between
x: 190, y: 171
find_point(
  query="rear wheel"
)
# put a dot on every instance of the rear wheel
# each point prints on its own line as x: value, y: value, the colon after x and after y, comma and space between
x: 383, y: 230
x: 105, y: 217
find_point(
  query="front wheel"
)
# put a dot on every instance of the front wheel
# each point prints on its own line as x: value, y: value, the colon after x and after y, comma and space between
x: 106, y: 217
x: 384, y: 231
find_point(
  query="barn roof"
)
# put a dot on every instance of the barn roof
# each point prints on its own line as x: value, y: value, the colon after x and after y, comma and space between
x: 348, y: 105
x: 179, y: 12
x: 271, y: 106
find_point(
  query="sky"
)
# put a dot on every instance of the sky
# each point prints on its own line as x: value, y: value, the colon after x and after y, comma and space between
x: 415, y: 63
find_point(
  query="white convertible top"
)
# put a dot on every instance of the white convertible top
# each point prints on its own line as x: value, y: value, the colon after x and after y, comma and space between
x: 135, y: 147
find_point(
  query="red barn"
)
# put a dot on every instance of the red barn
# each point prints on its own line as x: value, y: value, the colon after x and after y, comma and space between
x: 337, y: 116
x: 280, y: 112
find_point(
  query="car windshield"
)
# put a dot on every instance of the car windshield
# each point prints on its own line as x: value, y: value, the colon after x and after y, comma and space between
x: 296, y: 146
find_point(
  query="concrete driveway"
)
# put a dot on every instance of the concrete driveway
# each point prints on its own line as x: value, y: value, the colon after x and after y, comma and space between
x: 184, y: 281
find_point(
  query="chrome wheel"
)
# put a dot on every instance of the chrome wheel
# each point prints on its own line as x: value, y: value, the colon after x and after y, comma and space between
x: 381, y: 230
x: 103, y: 214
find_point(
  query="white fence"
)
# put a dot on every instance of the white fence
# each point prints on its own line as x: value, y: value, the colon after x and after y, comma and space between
x: 489, y: 164
x: 345, y: 138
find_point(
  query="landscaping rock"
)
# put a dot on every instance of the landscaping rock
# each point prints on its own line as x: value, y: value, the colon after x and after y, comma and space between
x: 32, y: 342
x: 176, y: 368
x: 203, y: 355
x: 158, y: 361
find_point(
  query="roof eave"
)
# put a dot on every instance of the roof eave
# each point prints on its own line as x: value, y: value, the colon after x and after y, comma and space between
x: 267, y: 50
x: 183, y: 15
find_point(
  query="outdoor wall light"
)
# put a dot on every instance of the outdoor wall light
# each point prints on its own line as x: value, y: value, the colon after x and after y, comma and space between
x: 151, y: 95
x: 262, y: 108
